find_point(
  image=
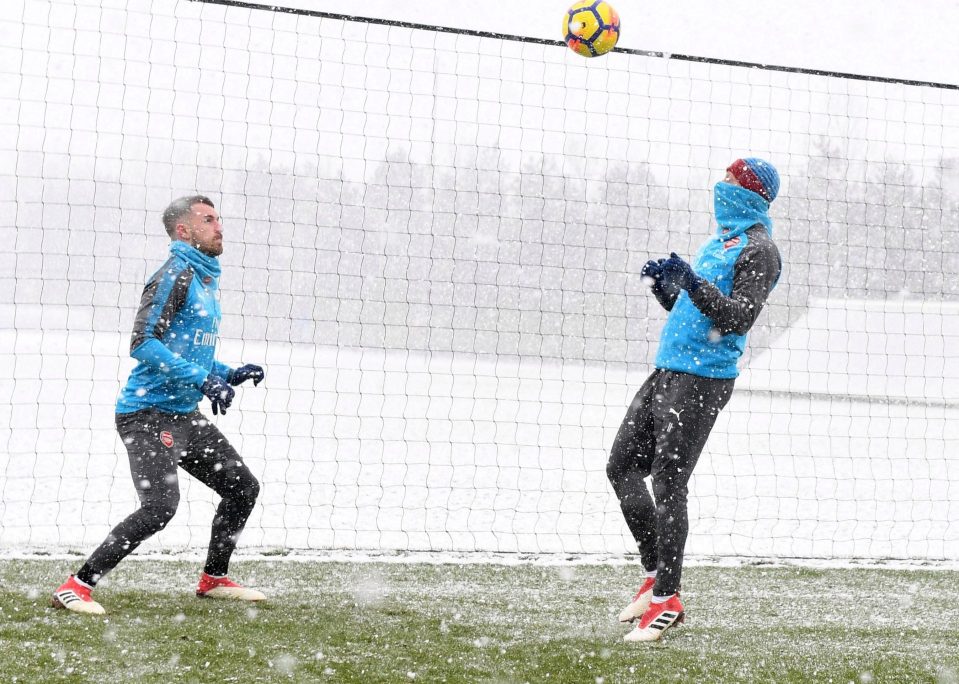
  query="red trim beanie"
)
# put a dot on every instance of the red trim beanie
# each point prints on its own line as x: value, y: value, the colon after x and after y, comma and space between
x: 757, y: 175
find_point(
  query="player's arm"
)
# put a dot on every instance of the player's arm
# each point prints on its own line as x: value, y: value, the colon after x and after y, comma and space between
x: 162, y: 299
x: 756, y: 272
x: 666, y: 294
x: 221, y: 369
x: 665, y: 291
x: 237, y: 376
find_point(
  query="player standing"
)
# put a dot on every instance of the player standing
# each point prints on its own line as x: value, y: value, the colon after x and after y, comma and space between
x: 174, y: 340
x: 712, y: 305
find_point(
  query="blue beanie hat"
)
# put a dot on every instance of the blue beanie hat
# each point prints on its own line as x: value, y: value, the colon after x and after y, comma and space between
x: 757, y: 175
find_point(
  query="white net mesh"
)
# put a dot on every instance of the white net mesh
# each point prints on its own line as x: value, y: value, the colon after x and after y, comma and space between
x: 433, y: 243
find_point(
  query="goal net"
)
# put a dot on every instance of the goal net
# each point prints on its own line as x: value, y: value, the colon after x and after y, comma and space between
x: 432, y: 243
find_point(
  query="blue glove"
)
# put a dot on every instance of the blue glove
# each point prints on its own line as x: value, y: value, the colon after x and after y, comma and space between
x: 248, y: 372
x: 653, y: 269
x: 218, y: 392
x: 677, y: 272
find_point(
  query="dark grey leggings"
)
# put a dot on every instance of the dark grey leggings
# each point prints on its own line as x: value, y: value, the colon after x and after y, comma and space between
x: 663, y: 434
x: 156, y: 444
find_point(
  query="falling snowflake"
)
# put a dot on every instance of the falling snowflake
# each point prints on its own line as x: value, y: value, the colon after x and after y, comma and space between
x: 285, y: 663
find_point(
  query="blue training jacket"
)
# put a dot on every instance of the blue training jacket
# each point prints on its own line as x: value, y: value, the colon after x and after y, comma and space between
x: 705, y: 332
x: 175, y: 335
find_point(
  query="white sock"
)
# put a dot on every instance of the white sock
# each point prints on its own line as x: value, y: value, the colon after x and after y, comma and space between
x: 651, y: 573
x: 661, y: 599
x: 82, y: 583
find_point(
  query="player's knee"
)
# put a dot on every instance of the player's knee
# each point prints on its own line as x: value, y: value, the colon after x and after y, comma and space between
x: 160, y: 513
x: 669, y: 493
x: 252, y: 490
x: 612, y: 472
x: 615, y: 472
x: 246, y: 491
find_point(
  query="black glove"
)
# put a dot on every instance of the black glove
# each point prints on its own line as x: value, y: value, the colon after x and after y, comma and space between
x: 218, y: 392
x: 249, y: 371
x: 677, y: 272
x: 653, y: 270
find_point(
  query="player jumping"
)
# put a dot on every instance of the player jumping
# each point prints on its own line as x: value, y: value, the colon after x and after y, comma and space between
x: 712, y: 305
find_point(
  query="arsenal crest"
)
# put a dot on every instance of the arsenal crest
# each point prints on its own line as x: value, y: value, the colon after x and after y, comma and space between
x: 167, y: 438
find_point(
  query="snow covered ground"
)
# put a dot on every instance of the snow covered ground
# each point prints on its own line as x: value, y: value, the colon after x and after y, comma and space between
x: 374, y: 449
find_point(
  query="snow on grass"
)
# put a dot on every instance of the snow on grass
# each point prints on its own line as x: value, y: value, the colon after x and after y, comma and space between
x: 369, y: 622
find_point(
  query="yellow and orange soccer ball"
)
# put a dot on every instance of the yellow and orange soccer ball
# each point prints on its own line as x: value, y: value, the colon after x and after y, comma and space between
x: 591, y: 27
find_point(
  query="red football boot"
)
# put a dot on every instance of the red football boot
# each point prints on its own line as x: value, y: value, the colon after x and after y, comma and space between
x: 657, y: 619
x: 640, y: 602
x: 72, y: 595
x: 224, y: 588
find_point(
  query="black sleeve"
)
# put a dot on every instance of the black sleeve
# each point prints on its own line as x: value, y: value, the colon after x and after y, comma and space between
x: 163, y: 296
x: 756, y: 271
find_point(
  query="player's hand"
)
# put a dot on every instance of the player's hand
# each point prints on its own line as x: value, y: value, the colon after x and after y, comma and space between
x: 246, y: 372
x: 218, y: 392
x: 675, y: 270
x: 652, y: 271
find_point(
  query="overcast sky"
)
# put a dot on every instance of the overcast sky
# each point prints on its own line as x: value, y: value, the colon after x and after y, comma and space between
x: 914, y: 40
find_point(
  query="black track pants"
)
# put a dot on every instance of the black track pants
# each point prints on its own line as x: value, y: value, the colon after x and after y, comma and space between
x: 157, y: 443
x: 663, y: 434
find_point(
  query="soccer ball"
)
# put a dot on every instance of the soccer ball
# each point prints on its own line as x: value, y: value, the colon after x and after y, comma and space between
x: 591, y: 27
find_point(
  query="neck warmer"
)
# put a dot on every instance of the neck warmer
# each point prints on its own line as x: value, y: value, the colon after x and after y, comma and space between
x: 738, y: 209
x: 205, y: 266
